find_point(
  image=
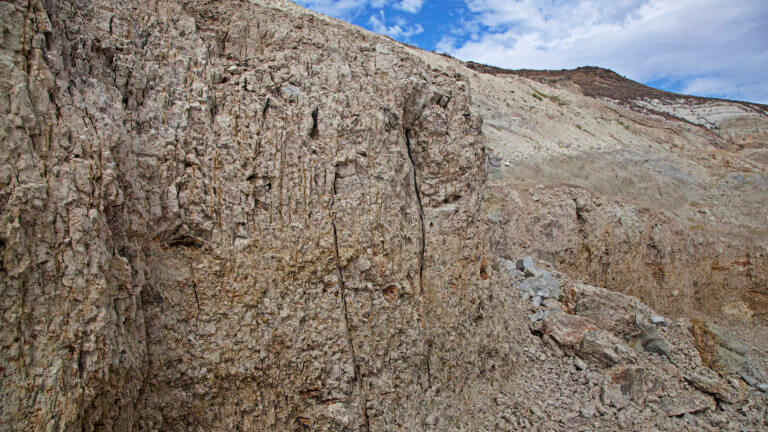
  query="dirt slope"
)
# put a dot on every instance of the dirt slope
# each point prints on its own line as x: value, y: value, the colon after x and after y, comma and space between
x: 672, y: 208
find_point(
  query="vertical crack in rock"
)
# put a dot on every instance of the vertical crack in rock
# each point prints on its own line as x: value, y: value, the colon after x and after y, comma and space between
x: 421, y: 210
x: 343, y: 295
x: 266, y: 108
x: 197, y: 299
x: 423, y: 248
x: 313, y: 132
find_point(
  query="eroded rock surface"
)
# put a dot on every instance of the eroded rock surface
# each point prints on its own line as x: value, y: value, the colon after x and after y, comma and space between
x: 247, y: 216
x: 236, y: 215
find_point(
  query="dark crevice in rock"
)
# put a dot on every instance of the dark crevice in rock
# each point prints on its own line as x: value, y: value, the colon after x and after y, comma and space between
x: 429, y: 365
x: 185, y: 240
x: 2, y: 250
x: 313, y: 132
x: 345, y: 313
x: 213, y: 109
x: 266, y: 108
x: 421, y: 209
x: 423, y: 248
x: 451, y: 199
x: 197, y: 299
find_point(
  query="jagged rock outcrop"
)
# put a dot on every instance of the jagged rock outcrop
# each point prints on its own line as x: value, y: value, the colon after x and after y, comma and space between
x: 247, y: 216
x: 223, y: 214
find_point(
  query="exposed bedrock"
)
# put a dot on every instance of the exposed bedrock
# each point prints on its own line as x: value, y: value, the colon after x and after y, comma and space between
x: 226, y: 215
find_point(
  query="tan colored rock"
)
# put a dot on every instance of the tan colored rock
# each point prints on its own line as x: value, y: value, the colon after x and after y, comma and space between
x: 580, y: 336
x: 618, y: 196
x: 719, y: 350
x: 676, y: 408
x: 221, y: 215
x: 247, y: 216
x: 616, y: 312
x: 717, y: 388
x: 566, y: 329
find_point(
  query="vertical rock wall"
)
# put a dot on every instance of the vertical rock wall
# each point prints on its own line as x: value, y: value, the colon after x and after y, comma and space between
x: 226, y: 215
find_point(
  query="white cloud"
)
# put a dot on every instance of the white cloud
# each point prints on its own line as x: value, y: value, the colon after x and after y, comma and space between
x: 705, y: 85
x: 412, y: 6
x: 337, y: 8
x: 348, y: 8
x: 714, y: 47
x: 539, y: 15
x: 720, y: 88
x: 400, y: 29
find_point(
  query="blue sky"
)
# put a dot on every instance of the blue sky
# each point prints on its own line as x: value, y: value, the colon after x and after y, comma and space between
x: 716, y: 48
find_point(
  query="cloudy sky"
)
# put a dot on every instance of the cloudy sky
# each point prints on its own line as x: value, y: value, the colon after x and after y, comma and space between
x: 716, y: 48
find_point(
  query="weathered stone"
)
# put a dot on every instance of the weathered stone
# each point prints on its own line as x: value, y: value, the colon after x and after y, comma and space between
x: 579, y: 363
x: 509, y: 266
x: 580, y: 336
x: 719, y: 350
x: 749, y: 379
x: 615, y: 312
x: 541, y: 314
x: 637, y: 383
x: 687, y: 405
x: 611, y: 395
x: 605, y: 349
x: 717, y: 388
x: 587, y: 411
x: 221, y: 215
x: 651, y: 340
x: 567, y: 330
x: 527, y: 265
x: 543, y: 285
x: 247, y: 216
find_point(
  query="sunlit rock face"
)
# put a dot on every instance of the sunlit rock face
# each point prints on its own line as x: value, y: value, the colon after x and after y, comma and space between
x: 247, y: 216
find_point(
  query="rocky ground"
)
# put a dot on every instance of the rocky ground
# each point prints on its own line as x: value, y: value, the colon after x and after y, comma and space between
x: 225, y: 215
x: 601, y: 360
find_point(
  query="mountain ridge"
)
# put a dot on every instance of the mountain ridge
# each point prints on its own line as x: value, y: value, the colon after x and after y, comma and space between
x: 589, y: 79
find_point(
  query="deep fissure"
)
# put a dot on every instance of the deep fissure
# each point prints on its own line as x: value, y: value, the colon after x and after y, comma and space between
x: 421, y: 210
x: 422, y: 251
x: 343, y: 295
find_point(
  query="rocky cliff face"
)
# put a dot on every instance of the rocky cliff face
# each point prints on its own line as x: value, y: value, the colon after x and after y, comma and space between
x: 246, y: 216
x: 222, y: 214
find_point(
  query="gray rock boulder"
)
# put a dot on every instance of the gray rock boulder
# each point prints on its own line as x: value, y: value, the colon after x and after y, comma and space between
x: 527, y: 265
x: 538, y: 282
x: 716, y: 387
x: 543, y: 285
x: 651, y: 340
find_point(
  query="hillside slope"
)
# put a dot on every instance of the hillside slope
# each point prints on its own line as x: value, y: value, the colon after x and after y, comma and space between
x: 229, y: 215
x: 672, y: 208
